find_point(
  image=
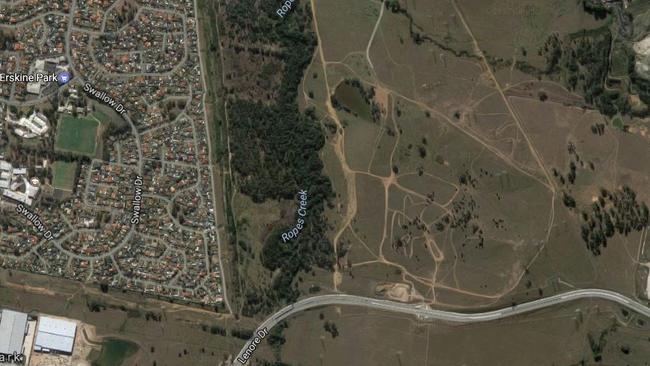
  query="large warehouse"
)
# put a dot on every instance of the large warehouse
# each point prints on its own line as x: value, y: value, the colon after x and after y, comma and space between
x: 13, y: 327
x: 55, y: 335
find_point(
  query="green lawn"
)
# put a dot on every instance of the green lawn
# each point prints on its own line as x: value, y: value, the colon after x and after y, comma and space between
x: 64, y: 175
x: 77, y: 135
x: 101, y: 116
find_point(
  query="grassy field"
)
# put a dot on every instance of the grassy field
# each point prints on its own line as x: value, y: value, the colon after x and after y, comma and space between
x: 455, y: 197
x: 342, y: 37
x: 64, y: 175
x: 452, y: 192
x: 101, y: 117
x: 518, y: 28
x: 182, y: 336
x: 77, y: 135
x: 586, y: 332
x: 456, y: 191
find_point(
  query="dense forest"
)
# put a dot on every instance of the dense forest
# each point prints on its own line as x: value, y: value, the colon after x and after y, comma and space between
x: 275, y: 150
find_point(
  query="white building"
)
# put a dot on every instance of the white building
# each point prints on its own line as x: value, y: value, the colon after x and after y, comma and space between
x: 55, y: 335
x: 13, y: 327
x: 15, y: 185
x: 5, y: 174
x: 17, y: 196
x: 28, y: 127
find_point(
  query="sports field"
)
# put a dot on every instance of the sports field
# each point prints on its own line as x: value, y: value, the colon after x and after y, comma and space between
x: 77, y: 135
x: 64, y: 175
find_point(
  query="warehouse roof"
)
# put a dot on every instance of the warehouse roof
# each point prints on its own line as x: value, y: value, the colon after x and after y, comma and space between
x: 12, y: 331
x: 55, y: 335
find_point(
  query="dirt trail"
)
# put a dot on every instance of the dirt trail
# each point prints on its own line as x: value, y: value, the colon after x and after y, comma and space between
x: 514, y: 115
x: 338, y: 144
x: 339, y: 149
x: 386, y: 97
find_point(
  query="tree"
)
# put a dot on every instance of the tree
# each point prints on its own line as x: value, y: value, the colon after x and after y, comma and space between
x: 568, y: 200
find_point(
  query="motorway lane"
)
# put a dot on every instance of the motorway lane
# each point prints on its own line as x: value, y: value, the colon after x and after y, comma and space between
x: 425, y: 313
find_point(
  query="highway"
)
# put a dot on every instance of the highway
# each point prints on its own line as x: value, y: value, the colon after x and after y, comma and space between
x: 425, y: 313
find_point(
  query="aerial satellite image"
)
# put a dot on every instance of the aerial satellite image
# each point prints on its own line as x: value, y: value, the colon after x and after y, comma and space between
x: 324, y: 182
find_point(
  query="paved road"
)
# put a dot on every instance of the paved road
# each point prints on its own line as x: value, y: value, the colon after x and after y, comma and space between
x: 424, y: 313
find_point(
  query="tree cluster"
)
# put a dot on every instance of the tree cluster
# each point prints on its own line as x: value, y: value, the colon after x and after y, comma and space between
x: 582, y: 61
x: 614, y: 212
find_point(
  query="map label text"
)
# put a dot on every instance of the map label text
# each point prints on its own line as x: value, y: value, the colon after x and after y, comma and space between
x: 252, y: 346
x: 35, y: 220
x: 137, y: 200
x: 104, y: 97
x: 300, y: 223
x: 285, y: 8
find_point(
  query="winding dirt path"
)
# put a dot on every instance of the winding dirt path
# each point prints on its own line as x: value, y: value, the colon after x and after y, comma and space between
x: 392, y: 214
x: 339, y: 149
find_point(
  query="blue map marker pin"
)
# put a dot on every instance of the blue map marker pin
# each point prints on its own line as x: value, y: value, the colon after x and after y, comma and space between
x: 63, y: 77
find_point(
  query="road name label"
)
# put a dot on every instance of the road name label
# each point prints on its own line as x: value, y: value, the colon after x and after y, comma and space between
x: 105, y: 98
x: 285, y: 8
x: 36, y: 221
x: 137, y: 200
x: 300, y: 223
x: 252, y: 346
